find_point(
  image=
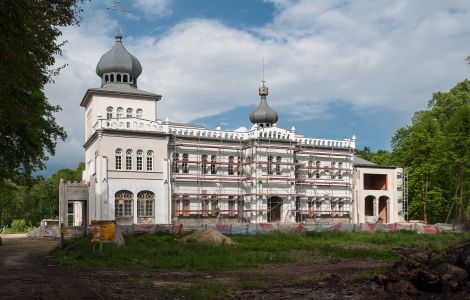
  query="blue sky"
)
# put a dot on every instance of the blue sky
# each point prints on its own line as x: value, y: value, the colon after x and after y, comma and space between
x: 335, y: 68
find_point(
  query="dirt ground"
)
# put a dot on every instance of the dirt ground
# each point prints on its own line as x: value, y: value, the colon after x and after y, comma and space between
x: 28, y: 272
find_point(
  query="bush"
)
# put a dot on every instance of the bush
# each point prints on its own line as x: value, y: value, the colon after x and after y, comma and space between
x: 18, y: 226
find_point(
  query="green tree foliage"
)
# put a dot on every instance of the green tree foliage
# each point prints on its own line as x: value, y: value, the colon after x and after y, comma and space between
x: 381, y: 157
x: 28, y: 43
x: 37, y: 202
x: 435, y: 149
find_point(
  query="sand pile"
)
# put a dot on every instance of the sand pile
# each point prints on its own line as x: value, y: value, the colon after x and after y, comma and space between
x: 208, y: 237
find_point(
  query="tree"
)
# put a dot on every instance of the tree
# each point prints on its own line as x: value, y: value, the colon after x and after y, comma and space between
x: 28, y: 43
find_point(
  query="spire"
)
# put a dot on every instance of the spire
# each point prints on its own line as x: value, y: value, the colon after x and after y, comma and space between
x: 118, y: 36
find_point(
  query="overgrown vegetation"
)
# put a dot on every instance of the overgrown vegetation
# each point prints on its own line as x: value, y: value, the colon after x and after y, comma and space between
x: 164, y: 251
x: 35, y: 202
x: 435, y: 150
x: 18, y: 226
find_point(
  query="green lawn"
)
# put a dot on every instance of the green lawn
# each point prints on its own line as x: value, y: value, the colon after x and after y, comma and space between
x: 164, y: 251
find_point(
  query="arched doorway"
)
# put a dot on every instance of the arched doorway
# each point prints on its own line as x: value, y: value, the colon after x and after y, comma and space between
x: 274, y: 209
x: 383, y: 208
x: 369, y: 206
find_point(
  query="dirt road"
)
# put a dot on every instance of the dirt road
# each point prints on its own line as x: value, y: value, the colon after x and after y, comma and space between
x: 26, y: 272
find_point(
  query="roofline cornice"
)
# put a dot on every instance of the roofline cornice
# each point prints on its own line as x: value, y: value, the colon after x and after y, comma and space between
x: 90, y: 92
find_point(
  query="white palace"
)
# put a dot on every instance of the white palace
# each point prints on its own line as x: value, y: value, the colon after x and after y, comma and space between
x: 143, y: 170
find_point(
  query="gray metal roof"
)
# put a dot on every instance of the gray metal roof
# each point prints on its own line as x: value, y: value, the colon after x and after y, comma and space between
x: 363, y: 162
x: 119, y: 60
x: 119, y: 89
x: 263, y: 114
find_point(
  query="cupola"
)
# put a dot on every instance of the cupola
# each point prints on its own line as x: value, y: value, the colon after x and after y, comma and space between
x: 263, y: 115
x: 118, y: 66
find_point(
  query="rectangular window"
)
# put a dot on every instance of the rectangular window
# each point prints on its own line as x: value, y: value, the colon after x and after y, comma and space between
x: 230, y: 166
x: 231, y: 207
x: 118, y: 162
x: 240, y: 166
x: 128, y: 162
x: 139, y: 163
x: 128, y: 207
x: 205, y: 206
x: 270, y: 165
x: 149, y: 163
x: 375, y: 182
x: 140, y: 208
x: 186, y: 206
x: 70, y: 214
x: 149, y: 207
x: 176, y: 205
x: 214, y: 206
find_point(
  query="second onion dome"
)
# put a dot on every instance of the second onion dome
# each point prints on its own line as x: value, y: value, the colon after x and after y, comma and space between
x: 263, y: 115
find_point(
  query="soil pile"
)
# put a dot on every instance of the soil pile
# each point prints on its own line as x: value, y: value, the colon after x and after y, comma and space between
x: 422, y: 272
x: 208, y: 237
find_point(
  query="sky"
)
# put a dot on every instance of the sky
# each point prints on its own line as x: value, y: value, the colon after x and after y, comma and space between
x: 334, y: 68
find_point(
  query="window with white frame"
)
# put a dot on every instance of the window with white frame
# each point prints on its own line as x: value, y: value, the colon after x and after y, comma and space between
x: 150, y: 160
x: 278, y: 165
x: 139, y: 113
x: 240, y: 165
x: 128, y: 159
x: 204, y: 164
x: 145, y: 202
x: 185, y: 163
x: 109, y: 112
x: 230, y: 165
x: 129, y: 112
x: 123, y: 203
x: 118, y: 159
x: 270, y: 165
x: 213, y: 165
x: 139, y: 160
x: 174, y: 162
x: 310, y: 169
x: 120, y: 112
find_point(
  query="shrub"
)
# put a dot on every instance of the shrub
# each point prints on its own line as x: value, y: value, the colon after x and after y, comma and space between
x: 18, y: 226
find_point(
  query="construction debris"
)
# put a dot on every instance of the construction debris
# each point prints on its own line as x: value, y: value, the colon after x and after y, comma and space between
x: 208, y: 237
x: 424, y: 271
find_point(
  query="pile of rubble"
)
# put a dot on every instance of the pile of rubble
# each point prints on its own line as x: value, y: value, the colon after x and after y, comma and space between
x: 425, y: 272
x: 208, y: 237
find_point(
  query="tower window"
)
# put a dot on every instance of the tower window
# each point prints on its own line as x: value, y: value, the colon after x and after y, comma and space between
x: 109, y: 112
x: 118, y: 77
x: 118, y: 160
x: 106, y: 78
x: 124, y: 78
x: 120, y: 112
x: 149, y: 160
x: 128, y: 159
x: 111, y: 78
x: 139, y: 113
x: 129, y: 112
x: 140, y: 158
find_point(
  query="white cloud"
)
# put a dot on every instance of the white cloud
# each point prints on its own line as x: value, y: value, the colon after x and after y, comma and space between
x: 153, y: 8
x: 371, y: 54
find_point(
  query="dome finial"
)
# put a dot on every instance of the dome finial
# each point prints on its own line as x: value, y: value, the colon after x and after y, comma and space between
x: 118, y: 35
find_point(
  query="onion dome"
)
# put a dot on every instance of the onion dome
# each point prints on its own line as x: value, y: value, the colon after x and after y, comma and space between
x: 118, y: 65
x: 263, y: 115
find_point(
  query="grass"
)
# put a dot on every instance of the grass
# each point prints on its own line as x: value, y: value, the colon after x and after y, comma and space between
x: 164, y: 251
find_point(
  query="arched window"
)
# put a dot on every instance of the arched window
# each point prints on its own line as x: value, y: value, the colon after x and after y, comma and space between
x: 240, y: 165
x: 145, y: 201
x: 118, y: 77
x: 140, y: 158
x: 111, y: 78
x: 174, y: 163
x: 270, y: 165
x: 213, y: 166
x: 230, y: 165
x: 185, y: 163
x: 106, y: 78
x: 124, y: 78
x: 123, y: 204
x: 204, y: 164
x: 118, y: 160
x: 139, y: 113
x: 129, y: 112
x: 109, y: 112
x: 310, y: 171
x: 317, y: 164
x: 120, y: 112
x: 150, y: 160
x: 278, y: 165
x: 128, y: 159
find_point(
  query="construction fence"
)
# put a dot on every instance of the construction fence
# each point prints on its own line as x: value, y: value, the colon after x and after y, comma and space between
x: 266, y: 228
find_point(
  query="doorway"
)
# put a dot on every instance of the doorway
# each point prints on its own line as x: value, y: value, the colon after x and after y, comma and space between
x: 274, y: 209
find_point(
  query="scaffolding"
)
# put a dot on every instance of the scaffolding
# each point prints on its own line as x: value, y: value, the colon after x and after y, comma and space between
x: 244, y: 168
